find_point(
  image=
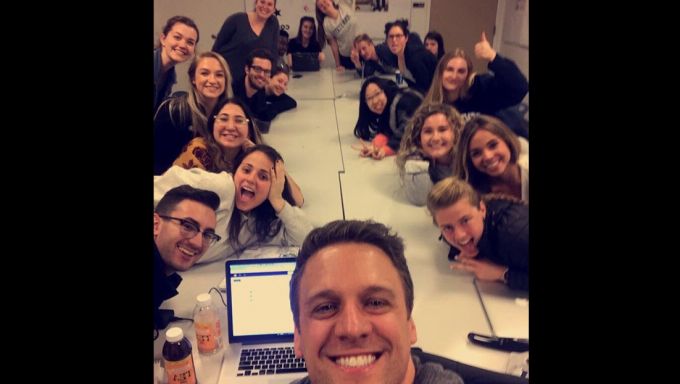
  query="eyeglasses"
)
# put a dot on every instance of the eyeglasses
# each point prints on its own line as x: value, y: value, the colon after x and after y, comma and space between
x: 189, y: 229
x: 373, y: 96
x: 259, y: 70
x: 396, y: 36
x: 224, y: 118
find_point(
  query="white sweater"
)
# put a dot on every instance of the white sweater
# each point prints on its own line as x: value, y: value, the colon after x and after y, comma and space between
x: 293, y: 231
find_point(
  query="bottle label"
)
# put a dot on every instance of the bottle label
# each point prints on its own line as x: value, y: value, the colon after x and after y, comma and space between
x: 218, y: 329
x: 181, y: 371
x: 205, y: 335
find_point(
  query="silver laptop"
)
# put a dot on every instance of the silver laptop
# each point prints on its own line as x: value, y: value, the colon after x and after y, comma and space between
x: 258, y: 310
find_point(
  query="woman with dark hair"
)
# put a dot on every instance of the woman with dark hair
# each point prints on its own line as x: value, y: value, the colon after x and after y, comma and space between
x: 384, y: 111
x: 493, y: 159
x: 338, y: 25
x: 177, y: 44
x: 405, y: 51
x: 229, y: 131
x: 434, y: 42
x: 306, y: 40
x: 185, y: 114
x: 264, y: 202
x: 243, y: 32
x: 256, y: 204
x: 277, y: 100
x: 232, y: 132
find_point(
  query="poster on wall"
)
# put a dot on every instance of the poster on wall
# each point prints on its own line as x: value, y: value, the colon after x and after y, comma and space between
x: 516, y: 24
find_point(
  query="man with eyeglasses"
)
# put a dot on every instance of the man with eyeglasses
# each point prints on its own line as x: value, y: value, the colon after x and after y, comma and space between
x: 251, y: 86
x: 183, y: 229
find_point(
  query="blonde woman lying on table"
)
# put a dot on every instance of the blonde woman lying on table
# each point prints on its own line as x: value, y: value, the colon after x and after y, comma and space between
x: 256, y: 207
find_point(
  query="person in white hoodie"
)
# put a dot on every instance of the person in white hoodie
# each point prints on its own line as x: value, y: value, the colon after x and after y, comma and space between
x: 256, y: 208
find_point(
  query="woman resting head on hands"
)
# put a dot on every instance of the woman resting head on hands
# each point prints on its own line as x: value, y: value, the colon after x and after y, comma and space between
x: 384, y: 112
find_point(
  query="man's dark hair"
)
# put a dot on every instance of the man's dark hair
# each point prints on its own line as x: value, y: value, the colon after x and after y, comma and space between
x: 260, y: 53
x: 351, y: 231
x: 284, y: 33
x: 176, y: 195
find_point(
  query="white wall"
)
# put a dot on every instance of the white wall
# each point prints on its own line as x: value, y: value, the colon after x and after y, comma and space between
x: 512, y: 21
x: 511, y: 39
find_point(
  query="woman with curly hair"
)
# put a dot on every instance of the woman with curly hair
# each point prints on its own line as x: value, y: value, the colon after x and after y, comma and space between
x: 427, y: 149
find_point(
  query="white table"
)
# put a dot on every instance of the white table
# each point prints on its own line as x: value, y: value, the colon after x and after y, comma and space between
x: 508, y: 309
x: 315, y: 141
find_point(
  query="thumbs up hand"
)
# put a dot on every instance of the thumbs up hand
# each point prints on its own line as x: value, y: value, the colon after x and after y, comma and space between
x: 483, y: 49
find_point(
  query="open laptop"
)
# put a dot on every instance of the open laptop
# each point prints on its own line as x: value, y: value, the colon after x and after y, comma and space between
x: 305, y: 61
x: 258, y: 311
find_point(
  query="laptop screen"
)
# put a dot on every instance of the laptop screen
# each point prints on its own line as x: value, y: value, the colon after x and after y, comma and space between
x: 258, y: 305
x: 306, y: 61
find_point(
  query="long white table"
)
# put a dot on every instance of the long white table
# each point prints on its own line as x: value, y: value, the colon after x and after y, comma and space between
x: 315, y: 141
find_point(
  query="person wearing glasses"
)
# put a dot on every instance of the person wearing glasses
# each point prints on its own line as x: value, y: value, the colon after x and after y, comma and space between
x: 185, y: 114
x: 250, y: 86
x: 257, y: 204
x: 243, y: 32
x: 228, y: 132
x: 183, y: 229
x: 232, y: 132
x: 384, y: 111
x: 406, y: 52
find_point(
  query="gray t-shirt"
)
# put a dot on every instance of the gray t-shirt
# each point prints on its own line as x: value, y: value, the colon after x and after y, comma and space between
x: 343, y: 29
x: 428, y: 373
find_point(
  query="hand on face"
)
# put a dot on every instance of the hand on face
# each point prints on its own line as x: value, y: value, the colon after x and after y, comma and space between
x: 354, y: 55
x: 278, y: 178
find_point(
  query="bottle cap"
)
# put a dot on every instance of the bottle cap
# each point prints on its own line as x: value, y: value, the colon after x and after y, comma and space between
x: 174, y: 334
x: 204, y: 299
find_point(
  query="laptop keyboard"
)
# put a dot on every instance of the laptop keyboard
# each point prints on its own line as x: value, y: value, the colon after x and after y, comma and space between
x: 269, y: 361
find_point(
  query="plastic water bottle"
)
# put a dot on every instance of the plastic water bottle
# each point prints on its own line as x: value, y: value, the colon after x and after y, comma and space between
x: 398, y: 77
x: 179, y: 363
x: 207, y: 325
